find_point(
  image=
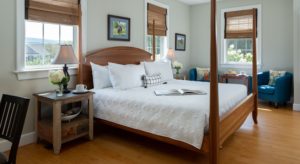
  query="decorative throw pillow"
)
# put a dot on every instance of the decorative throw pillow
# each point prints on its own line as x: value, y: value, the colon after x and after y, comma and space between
x: 274, y: 75
x: 100, y: 76
x: 203, y: 74
x: 152, y: 80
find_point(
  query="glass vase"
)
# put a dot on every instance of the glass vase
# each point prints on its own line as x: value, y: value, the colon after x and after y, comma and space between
x: 177, y: 71
x: 60, y: 90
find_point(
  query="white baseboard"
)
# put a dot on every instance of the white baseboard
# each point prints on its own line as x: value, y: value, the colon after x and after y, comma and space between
x: 296, y: 107
x: 25, y: 140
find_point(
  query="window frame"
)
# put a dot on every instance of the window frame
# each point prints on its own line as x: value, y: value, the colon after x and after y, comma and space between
x: 165, y: 41
x: 24, y: 73
x: 223, y: 61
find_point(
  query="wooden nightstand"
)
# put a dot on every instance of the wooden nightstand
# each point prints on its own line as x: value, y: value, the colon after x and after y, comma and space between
x: 54, y: 130
x: 180, y: 77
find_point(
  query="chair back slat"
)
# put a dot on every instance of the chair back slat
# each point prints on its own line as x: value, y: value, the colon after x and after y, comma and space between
x: 4, y: 118
x: 12, y: 117
x: 12, y: 122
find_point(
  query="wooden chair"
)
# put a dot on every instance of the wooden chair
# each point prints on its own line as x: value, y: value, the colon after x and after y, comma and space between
x: 12, y: 116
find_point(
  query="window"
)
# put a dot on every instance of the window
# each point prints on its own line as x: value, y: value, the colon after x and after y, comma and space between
x: 40, y: 31
x: 43, y: 40
x: 236, y: 45
x: 156, y: 12
x: 160, y: 47
x: 238, y: 51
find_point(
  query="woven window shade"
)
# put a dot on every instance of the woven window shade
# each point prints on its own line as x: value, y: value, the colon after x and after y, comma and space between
x: 160, y: 16
x: 53, y: 11
x: 239, y: 24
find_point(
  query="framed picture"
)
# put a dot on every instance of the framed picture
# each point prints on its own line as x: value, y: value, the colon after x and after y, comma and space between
x: 180, y: 42
x: 118, y: 28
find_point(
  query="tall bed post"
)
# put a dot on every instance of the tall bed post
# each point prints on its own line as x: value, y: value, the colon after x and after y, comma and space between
x: 214, y: 97
x: 80, y: 80
x: 153, y: 41
x: 254, y: 66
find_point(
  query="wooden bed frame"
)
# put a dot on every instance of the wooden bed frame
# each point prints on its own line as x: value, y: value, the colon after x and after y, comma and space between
x: 219, y: 128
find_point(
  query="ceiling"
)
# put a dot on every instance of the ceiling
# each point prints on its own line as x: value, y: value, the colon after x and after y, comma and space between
x: 193, y: 2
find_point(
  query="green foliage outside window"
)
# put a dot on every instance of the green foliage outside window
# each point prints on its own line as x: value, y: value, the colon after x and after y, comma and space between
x: 238, y: 56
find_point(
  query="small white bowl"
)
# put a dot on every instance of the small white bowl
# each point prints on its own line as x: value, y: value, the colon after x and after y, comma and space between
x: 70, y: 117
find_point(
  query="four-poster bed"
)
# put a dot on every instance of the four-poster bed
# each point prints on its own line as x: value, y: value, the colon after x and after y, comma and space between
x: 220, y: 128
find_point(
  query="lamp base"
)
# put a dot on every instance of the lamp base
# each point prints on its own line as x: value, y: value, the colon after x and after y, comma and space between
x: 65, y: 68
x: 66, y: 91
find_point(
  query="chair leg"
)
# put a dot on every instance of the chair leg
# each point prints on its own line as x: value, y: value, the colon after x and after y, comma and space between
x: 276, y: 104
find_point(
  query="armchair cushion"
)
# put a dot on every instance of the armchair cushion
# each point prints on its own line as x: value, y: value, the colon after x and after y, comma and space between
x: 274, y: 75
x: 266, y: 89
x: 203, y: 74
x: 194, y: 77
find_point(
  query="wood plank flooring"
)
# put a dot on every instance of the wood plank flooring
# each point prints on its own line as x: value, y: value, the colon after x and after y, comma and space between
x: 275, y: 140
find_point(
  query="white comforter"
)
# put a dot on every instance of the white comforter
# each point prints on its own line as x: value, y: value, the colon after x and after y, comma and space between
x: 183, y: 118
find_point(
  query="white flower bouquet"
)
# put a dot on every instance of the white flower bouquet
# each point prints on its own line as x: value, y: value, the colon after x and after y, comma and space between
x: 58, y: 78
x: 177, y: 66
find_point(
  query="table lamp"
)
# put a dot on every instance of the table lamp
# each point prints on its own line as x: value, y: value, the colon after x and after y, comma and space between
x: 171, y: 54
x: 66, y: 56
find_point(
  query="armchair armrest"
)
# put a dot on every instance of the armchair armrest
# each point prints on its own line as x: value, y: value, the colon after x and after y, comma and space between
x: 283, y: 87
x: 193, y: 74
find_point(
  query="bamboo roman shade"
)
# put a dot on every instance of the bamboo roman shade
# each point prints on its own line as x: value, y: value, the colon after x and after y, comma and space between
x: 159, y: 15
x: 53, y: 11
x: 239, y: 24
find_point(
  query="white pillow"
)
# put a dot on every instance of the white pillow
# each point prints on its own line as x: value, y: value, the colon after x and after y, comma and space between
x: 126, y: 76
x: 163, y: 68
x: 100, y: 76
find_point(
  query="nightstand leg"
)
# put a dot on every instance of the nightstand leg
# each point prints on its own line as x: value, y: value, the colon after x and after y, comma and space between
x: 37, y: 118
x: 91, y: 118
x: 56, y: 127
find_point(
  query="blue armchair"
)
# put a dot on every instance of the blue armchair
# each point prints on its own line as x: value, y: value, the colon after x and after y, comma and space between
x: 193, y: 75
x: 280, y: 93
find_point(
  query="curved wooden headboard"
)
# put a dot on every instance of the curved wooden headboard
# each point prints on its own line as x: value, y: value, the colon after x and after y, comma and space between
x: 120, y: 55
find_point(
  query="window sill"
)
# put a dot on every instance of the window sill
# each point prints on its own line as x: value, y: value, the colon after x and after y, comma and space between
x: 241, y: 66
x: 29, y: 74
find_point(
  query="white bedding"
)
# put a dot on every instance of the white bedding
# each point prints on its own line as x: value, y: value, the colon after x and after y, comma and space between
x: 183, y: 118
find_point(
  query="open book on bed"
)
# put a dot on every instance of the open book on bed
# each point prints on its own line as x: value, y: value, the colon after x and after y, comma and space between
x: 178, y: 92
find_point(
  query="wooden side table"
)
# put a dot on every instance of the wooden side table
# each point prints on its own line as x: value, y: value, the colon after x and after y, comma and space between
x: 54, y: 130
x: 225, y: 78
x: 180, y: 77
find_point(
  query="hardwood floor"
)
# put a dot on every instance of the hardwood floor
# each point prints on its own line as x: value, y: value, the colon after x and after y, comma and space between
x: 276, y: 139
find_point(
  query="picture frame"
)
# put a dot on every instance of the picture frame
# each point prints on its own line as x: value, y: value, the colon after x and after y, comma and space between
x: 118, y: 28
x: 180, y: 42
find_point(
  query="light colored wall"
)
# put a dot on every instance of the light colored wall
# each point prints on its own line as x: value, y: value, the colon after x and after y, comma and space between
x: 8, y: 80
x: 134, y: 9
x: 97, y: 39
x: 296, y: 55
x: 277, y: 32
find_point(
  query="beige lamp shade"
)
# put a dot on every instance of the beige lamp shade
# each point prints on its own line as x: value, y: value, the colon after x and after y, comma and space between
x: 65, y: 55
x: 171, y: 54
